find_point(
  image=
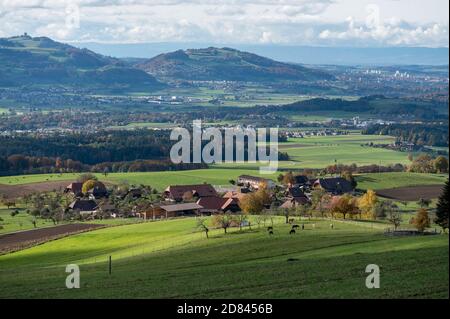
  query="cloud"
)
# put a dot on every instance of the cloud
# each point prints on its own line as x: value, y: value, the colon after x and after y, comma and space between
x: 301, y: 22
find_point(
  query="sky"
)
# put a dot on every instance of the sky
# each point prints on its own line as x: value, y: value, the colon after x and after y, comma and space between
x: 358, y: 23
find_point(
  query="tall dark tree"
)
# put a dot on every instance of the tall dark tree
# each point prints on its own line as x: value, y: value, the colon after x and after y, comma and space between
x: 442, y: 209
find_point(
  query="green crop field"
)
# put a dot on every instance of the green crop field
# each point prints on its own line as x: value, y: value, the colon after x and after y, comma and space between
x: 398, y: 179
x: 170, y: 259
x: 321, y: 151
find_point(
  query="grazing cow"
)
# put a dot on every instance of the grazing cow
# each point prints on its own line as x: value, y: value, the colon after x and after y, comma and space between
x: 291, y: 220
x: 269, y: 228
x: 292, y: 232
x: 271, y: 232
x: 295, y: 226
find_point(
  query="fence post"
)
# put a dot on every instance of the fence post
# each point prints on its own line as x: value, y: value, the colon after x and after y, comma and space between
x: 110, y: 265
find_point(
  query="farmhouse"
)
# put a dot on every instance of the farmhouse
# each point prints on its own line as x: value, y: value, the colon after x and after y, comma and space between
x: 84, y: 205
x: 74, y: 188
x: 86, y: 208
x: 301, y: 181
x: 98, y: 191
x: 294, y: 197
x: 297, y: 194
x: 169, y: 211
x: 254, y: 181
x: 335, y: 186
x: 214, y: 205
x: 178, y: 193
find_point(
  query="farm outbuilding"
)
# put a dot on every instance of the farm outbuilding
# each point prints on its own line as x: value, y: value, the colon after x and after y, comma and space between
x: 170, y: 211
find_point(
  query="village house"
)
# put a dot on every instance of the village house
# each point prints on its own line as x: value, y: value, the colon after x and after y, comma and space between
x: 335, y: 185
x: 87, y: 208
x: 214, y: 205
x: 98, y: 191
x: 75, y: 189
x: 294, y: 198
x: 301, y: 181
x: 255, y: 182
x: 179, y: 193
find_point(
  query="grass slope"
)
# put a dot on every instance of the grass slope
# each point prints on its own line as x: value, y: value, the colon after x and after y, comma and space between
x: 169, y: 260
x: 398, y: 179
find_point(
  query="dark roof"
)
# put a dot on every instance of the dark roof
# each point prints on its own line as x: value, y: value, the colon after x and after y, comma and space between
x: 301, y: 179
x: 213, y: 203
x: 337, y: 185
x: 295, y: 192
x: 203, y: 190
x: 98, y: 188
x: 181, y: 207
x: 83, y: 205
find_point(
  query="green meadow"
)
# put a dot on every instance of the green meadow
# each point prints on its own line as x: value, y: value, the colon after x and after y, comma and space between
x: 171, y: 259
x: 222, y: 176
x: 321, y: 151
x: 398, y: 179
x: 21, y: 221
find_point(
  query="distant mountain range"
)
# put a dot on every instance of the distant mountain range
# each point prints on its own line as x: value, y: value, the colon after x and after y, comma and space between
x: 226, y: 64
x: 41, y: 61
x: 35, y: 61
x: 379, y: 56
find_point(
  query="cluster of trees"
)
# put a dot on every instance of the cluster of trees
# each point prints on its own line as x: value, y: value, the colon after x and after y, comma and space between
x: 104, y: 151
x: 435, y: 134
x: 363, y: 169
x: 426, y: 164
x: 90, y: 148
x: 22, y: 164
x: 376, y: 104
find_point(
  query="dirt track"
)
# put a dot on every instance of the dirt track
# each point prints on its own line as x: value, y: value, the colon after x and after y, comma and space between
x: 20, y: 240
x: 411, y: 193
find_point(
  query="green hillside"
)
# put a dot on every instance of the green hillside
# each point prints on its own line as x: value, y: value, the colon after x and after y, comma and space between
x: 25, y: 60
x: 217, y: 64
x: 171, y: 259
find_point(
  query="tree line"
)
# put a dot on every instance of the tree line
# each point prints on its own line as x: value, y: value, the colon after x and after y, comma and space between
x: 418, y: 134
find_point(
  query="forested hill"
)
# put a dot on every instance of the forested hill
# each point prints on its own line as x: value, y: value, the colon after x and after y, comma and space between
x: 375, y: 105
x: 226, y: 64
x: 40, y: 61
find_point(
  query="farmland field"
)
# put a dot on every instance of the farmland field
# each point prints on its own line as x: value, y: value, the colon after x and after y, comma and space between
x: 170, y: 259
x: 221, y: 177
x: 398, y: 179
x: 321, y: 151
